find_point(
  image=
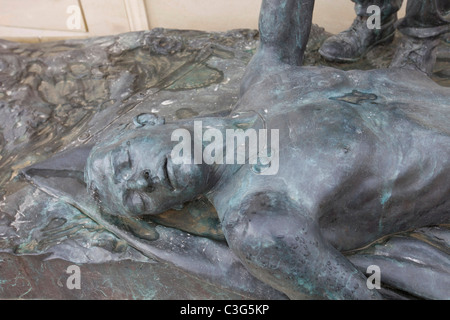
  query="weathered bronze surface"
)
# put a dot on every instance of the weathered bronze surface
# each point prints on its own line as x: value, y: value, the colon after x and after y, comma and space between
x: 375, y: 24
x: 61, y: 96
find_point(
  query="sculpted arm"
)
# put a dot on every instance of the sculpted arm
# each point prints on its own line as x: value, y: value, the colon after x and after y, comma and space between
x: 283, y: 247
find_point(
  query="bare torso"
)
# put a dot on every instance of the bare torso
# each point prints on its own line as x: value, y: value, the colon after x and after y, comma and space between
x: 362, y: 164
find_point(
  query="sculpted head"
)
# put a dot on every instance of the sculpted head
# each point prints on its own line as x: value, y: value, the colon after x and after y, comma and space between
x: 134, y: 174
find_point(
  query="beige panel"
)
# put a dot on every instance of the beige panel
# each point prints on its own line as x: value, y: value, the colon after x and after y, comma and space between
x: 39, y: 14
x: 222, y: 15
x: 47, y: 19
x: 35, y: 35
x: 105, y: 17
x: 137, y: 15
x: 209, y: 15
x: 334, y: 15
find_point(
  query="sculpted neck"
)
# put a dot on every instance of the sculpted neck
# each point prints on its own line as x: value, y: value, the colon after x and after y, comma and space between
x: 220, y: 145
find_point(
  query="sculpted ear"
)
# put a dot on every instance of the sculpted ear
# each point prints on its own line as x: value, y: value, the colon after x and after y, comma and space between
x: 148, y: 119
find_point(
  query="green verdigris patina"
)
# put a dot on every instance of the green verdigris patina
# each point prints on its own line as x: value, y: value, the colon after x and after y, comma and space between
x: 361, y: 157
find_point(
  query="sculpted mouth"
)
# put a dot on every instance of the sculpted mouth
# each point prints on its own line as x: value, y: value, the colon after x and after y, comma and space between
x: 134, y: 200
x: 168, y: 174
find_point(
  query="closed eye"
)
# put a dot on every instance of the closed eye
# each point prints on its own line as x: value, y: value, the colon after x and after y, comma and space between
x: 121, y: 164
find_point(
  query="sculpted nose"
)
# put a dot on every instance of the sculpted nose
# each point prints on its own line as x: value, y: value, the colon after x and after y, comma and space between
x: 136, y: 184
x: 142, y: 182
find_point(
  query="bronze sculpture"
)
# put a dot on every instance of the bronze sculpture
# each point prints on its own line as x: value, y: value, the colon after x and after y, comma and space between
x: 360, y: 158
x: 392, y: 123
x: 425, y: 22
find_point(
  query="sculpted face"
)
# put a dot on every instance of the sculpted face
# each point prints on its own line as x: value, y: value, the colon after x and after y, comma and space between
x: 136, y: 175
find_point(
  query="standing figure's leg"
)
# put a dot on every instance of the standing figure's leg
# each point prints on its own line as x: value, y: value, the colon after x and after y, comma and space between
x: 284, y: 27
x: 425, y: 18
x: 353, y: 43
x: 425, y: 22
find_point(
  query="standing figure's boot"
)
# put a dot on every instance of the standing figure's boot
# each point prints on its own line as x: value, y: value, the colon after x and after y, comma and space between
x: 353, y: 43
x: 416, y: 54
x: 425, y: 23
